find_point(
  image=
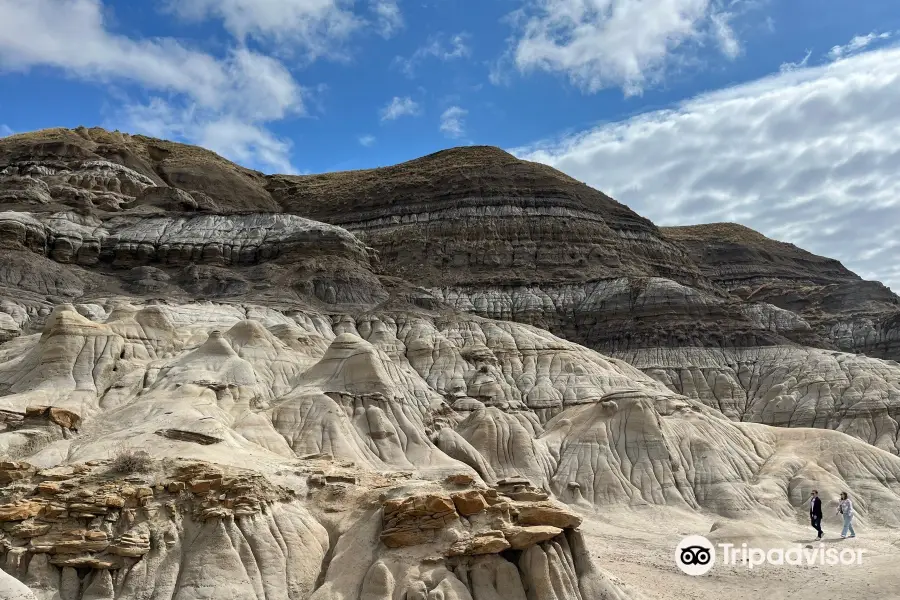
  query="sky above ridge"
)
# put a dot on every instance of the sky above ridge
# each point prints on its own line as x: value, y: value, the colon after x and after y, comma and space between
x: 782, y: 115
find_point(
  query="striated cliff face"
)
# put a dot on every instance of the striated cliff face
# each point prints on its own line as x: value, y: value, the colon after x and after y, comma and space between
x: 505, y: 238
x: 475, y: 227
x: 479, y: 216
x: 856, y: 315
x: 386, y: 384
x: 511, y: 239
x: 93, y: 169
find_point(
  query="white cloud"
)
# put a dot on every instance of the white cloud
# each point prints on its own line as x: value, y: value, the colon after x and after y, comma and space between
x: 617, y: 43
x: 70, y: 35
x: 241, y: 141
x: 246, y: 143
x: 498, y: 72
x: 314, y: 27
x: 858, y: 43
x: 399, y: 107
x: 240, y: 87
x: 439, y: 47
x: 453, y: 121
x: 724, y: 34
x: 5, y: 130
x: 388, y: 17
x: 366, y: 140
x: 317, y: 27
x: 809, y: 156
x: 786, y: 67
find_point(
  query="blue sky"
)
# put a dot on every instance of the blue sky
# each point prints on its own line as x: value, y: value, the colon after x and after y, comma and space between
x: 779, y: 115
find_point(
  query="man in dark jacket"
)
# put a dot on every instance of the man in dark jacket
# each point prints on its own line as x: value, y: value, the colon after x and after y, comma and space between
x: 815, y: 513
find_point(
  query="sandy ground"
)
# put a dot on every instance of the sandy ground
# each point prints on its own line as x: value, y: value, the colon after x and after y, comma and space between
x: 637, y: 547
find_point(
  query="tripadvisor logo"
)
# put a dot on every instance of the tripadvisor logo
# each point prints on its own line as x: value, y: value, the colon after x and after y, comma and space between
x: 696, y: 555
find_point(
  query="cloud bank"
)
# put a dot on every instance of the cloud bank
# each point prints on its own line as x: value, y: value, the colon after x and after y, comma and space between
x: 808, y: 156
x: 225, y: 101
x: 618, y: 43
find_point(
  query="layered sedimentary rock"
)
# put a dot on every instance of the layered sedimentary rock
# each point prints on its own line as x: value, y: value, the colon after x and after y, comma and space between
x: 475, y: 226
x: 634, y: 287
x: 620, y: 314
x: 511, y: 239
x: 479, y: 215
x: 385, y: 384
x: 80, y: 518
x: 856, y: 315
x: 265, y: 256
x: 97, y: 170
x: 207, y: 239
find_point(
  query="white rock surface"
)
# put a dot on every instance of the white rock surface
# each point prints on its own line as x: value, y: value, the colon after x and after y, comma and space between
x: 211, y: 239
x: 13, y: 589
x: 786, y: 386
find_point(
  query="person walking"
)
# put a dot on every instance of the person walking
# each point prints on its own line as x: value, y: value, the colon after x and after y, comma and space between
x: 815, y: 513
x: 845, y: 508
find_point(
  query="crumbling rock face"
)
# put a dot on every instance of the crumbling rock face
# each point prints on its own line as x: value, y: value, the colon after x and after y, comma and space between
x: 200, y: 239
x: 484, y: 521
x: 548, y: 569
x: 85, y: 531
x: 786, y: 386
x: 308, y: 425
x: 497, y: 552
x: 622, y: 314
x: 877, y: 336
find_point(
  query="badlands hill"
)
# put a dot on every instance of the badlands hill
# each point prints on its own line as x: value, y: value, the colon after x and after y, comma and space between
x: 423, y: 382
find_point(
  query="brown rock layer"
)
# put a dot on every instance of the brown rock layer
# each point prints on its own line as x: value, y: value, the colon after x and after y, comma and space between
x: 856, y: 315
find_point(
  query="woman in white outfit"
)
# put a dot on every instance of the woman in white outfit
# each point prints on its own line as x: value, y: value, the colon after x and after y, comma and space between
x: 846, y: 508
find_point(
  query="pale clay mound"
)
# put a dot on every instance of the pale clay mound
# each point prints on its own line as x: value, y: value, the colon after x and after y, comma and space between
x: 305, y: 456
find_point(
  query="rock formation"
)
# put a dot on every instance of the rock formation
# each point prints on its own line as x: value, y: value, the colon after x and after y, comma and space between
x: 386, y: 384
x: 856, y: 315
